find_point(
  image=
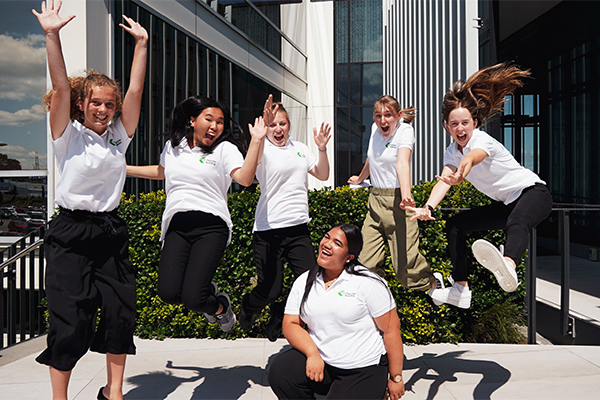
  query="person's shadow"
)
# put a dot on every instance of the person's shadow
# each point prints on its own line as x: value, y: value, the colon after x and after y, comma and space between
x: 213, y: 383
x: 448, y: 364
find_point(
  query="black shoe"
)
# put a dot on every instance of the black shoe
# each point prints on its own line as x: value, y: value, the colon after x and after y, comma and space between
x: 274, y: 325
x: 101, y: 395
x: 245, y: 320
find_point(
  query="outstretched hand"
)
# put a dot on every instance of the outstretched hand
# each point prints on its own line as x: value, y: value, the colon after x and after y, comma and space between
x: 423, y: 214
x: 407, y: 202
x: 323, y: 136
x: 269, y: 113
x: 259, y: 129
x: 135, y: 29
x: 49, y: 19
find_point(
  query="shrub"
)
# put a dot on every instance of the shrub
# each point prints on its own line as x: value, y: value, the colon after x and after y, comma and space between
x: 422, y: 322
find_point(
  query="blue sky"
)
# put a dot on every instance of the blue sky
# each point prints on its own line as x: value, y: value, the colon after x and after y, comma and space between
x: 22, y: 82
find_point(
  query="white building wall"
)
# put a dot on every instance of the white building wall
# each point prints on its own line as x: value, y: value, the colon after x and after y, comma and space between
x: 428, y: 44
x: 320, y: 95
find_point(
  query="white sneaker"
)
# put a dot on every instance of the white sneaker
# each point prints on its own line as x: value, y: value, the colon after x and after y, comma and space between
x: 457, y: 295
x: 489, y: 256
x: 439, y: 284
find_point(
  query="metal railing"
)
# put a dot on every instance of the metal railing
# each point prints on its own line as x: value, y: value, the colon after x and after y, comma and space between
x: 22, y: 289
x: 564, y: 211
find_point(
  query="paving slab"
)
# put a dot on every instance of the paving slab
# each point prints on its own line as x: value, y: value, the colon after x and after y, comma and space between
x: 182, y: 369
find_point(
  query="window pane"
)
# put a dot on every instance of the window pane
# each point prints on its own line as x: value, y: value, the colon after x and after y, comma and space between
x: 372, y: 85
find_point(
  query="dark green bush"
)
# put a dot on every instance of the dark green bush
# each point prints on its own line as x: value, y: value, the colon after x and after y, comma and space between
x: 422, y: 322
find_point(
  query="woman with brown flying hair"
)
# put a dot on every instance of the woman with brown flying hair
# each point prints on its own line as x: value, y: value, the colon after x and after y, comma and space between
x: 521, y: 198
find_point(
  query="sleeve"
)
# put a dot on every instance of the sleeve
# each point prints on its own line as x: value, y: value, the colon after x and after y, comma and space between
x: 232, y: 158
x: 406, y: 137
x: 484, y: 142
x: 378, y: 298
x: 61, y: 144
x: 292, y: 306
x: 449, y: 157
x: 312, y: 160
x: 120, y: 133
x: 163, y: 155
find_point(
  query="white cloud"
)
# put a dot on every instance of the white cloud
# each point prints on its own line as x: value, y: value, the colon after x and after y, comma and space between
x: 34, y: 114
x: 22, y: 67
x: 25, y: 156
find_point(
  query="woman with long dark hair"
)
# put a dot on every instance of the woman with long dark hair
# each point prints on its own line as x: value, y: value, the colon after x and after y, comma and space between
x: 521, y: 198
x: 198, y: 163
x: 352, y: 348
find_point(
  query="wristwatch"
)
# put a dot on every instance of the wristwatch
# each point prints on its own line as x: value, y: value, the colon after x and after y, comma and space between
x: 431, y: 209
x: 396, y: 378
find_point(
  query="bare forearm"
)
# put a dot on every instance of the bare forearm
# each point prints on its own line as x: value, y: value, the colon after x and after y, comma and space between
x: 245, y: 175
x: 438, y: 193
x: 299, y: 339
x: 147, y: 171
x: 321, y: 170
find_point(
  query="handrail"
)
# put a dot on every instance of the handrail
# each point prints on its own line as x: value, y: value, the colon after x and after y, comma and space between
x: 22, y: 253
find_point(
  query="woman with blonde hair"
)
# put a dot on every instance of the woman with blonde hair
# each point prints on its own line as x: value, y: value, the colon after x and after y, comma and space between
x: 521, y: 198
x: 387, y: 222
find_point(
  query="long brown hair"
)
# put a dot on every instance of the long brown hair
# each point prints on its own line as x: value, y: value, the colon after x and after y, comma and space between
x: 483, y: 93
x: 81, y: 87
x: 387, y: 101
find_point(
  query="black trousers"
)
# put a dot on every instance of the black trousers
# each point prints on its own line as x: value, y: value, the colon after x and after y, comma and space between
x: 288, y: 380
x: 88, y: 267
x: 192, y: 251
x: 271, y: 249
x: 518, y: 218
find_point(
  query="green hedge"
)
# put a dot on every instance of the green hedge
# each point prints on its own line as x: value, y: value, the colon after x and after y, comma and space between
x: 491, y: 318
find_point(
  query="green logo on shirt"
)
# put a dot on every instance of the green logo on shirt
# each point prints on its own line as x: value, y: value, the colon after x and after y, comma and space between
x: 301, y: 155
x: 341, y: 293
x: 113, y: 142
x: 202, y: 160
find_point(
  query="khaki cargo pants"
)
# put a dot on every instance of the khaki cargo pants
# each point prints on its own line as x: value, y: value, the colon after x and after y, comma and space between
x: 387, y: 223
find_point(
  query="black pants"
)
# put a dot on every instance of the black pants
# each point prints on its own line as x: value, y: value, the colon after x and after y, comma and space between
x: 192, y: 251
x: 288, y: 380
x: 271, y: 248
x: 87, y: 257
x: 518, y: 218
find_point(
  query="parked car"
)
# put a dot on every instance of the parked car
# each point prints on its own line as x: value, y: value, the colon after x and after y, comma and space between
x: 18, y: 225
x: 35, y: 223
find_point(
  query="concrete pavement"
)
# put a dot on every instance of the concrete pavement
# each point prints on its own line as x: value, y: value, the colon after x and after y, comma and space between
x: 177, y: 369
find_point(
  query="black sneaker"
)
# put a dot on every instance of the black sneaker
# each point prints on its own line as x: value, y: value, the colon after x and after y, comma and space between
x: 226, y: 319
x: 210, y: 317
x: 245, y: 320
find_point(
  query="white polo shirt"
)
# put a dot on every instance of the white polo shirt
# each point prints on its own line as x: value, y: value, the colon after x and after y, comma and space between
x: 282, y: 175
x: 196, y: 181
x: 498, y: 176
x: 92, y: 167
x: 383, y: 154
x: 341, y: 319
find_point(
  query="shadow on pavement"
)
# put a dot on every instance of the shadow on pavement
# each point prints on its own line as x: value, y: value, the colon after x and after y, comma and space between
x: 448, y: 364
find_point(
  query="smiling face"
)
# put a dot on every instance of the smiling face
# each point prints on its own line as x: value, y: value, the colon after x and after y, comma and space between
x: 208, y: 126
x: 460, y: 126
x: 333, y: 251
x: 98, y: 108
x: 279, y: 130
x: 386, y: 120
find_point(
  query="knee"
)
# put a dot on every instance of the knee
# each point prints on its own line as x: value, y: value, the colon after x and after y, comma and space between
x: 196, y: 301
x: 169, y: 295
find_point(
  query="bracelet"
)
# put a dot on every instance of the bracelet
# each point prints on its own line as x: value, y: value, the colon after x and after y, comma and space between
x: 431, y: 209
x: 324, y: 151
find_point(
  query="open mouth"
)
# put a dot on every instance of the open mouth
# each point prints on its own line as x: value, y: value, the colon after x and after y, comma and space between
x: 210, y: 136
x: 384, y: 129
x: 279, y: 138
x: 101, y: 117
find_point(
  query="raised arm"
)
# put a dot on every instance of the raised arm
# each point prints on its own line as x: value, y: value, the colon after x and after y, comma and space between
x: 51, y: 23
x: 473, y: 158
x: 321, y: 169
x: 403, y: 173
x: 299, y: 338
x: 245, y: 175
x: 358, y: 179
x: 389, y: 325
x: 133, y: 98
x: 147, y: 171
x: 437, y: 195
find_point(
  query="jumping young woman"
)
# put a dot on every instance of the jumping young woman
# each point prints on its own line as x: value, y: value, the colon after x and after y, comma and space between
x: 521, y: 198
x: 87, y: 243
